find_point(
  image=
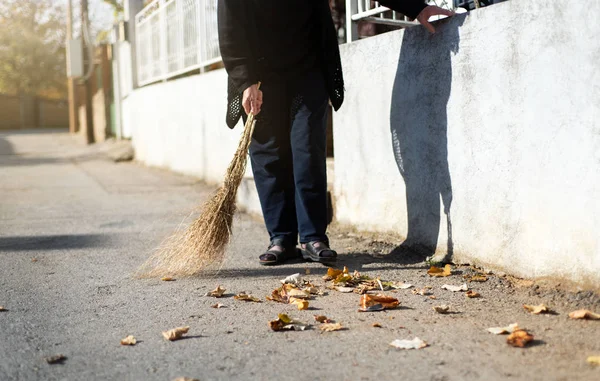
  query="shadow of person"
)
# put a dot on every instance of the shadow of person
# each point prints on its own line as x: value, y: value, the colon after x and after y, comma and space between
x: 419, y: 124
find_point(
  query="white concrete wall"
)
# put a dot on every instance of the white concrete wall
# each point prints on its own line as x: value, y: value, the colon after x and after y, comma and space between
x: 180, y: 125
x: 494, y: 120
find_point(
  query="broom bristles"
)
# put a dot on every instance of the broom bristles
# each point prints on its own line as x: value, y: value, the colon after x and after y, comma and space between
x: 188, y: 252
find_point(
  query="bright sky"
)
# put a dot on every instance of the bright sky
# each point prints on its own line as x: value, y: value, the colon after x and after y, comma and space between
x: 101, y: 14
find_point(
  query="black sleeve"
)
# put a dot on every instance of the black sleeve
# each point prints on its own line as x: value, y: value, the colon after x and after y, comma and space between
x: 236, y: 51
x: 410, y: 8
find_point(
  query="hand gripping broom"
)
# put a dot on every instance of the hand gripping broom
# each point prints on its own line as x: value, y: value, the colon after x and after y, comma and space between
x: 187, y: 252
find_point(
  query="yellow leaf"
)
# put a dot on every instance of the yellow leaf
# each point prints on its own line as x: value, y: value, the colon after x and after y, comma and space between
x: 322, y: 319
x: 284, y: 318
x: 584, y: 314
x: 217, y: 292
x: 472, y: 294
x: 436, y: 271
x: 175, y: 333
x: 167, y: 279
x: 300, y: 303
x: 443, y: 309
x: 129, y: 340
x: 333, y: 273
x: 246, y: 297
x: 594, y: 360
x: 330, y: 327
x: 376, y: 325
x: 536, y: 310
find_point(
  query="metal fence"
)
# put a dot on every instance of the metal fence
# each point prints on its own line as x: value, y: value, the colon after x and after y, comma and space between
x: 174, y: 37
x: 372, y: 11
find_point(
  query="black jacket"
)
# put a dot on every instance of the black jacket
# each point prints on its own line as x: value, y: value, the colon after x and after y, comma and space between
x: 241, y: 55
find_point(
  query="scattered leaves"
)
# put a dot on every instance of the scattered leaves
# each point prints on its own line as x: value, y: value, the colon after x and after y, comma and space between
x: 167, y: 279
x: 56, y: 359
x: 439, y: 272
x: 217, y: 292
x: 175, y: 333
x: 519, y: 338
x: 330, y: 327
x: 472, y: 294
x: 536, y: 310
x: 503, y: 330
x: 129, y: 340
x: 218, y: 305
x: 584, y: 314
x: 443, y: 309
x: 322, y: 319
x: 246, y: 297
x: 285, y: 323
x: 452, y: 288
x: 415, y: 343
x: 594, y: 360
x: 377, y: 325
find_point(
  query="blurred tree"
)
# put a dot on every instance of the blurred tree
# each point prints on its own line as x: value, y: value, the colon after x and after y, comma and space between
x: 117, y: 6
x: 32, y: 48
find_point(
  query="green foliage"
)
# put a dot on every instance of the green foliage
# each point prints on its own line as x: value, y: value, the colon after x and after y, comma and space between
x: 32, y: 48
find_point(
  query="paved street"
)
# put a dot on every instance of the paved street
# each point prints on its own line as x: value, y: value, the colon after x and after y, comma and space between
x: 74, y: 226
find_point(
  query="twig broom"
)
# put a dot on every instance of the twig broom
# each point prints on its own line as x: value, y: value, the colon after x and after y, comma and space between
x: 188, y: 252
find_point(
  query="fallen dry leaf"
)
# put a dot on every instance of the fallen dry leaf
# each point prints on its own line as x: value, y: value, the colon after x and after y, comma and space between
x: 175, y: 333
x: 56, y: 359
x: 185, y: 379
x: 536, y: 310
x: 415, y: 343
x: 246, y: 297
x: 307, y: 271
x: 344, y: 289
x: 476, y: 278
x: 367, y: 300
x: 322, y: 319
x: 217, y: 292
x: 312, y: 290
x: 129, y: 340
x: 377, y: 325
x: 436, y: 271
x: 519, y: 338
x: 472, y: 294
x: 502, y: 330
x: 400, y: 285
x: 300, y: 303
x: 167, y: 279
x: 2, y: 309
x: 34, y: 259
x: 452, y: 288
x: 332, y: 273
x: 443, y: 309
x: 330, y: 327
x: 584, y: 314
x: 296, y: 293
x: 218, y: 305
x: 594, y: 360
x: 421, y: 291
x: 292, y: 279
x: 285, y: 323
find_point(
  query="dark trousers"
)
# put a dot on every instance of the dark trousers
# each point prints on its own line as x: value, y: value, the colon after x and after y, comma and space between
x: 288, y: 153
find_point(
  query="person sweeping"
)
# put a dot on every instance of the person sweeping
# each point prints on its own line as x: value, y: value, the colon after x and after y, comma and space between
x: 291, y: 48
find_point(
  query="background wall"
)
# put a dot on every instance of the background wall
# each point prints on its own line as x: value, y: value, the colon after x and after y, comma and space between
x: 482, y: 140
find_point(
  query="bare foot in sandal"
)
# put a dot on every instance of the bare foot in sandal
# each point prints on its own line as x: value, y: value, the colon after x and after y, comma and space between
x: 277, y: 253
x: 318, y: 251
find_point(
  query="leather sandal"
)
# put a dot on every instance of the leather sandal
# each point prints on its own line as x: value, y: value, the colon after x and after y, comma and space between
x: 318, y: 251
x: 275, y: 257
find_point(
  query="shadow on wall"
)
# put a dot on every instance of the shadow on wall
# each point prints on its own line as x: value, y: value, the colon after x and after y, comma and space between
x: 419, y: 124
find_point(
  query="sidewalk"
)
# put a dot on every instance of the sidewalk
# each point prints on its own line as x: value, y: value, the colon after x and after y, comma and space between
x: 74, y: 226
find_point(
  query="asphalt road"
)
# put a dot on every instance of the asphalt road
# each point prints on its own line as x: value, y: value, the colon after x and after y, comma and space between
x: 74, y: 226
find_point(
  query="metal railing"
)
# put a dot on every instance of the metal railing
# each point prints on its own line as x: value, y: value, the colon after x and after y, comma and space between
x: 174, y: 37
x: 372, y: 11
